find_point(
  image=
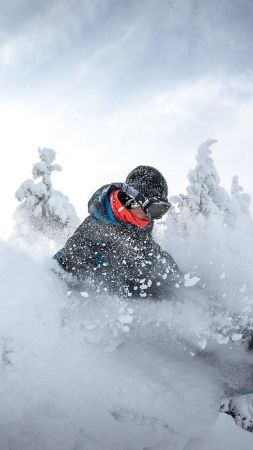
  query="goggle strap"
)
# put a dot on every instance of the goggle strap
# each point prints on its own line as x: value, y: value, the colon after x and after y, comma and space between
x: 147, y: 201
x: 129, y: 190
x: 125, y: 205
x: 136, y: 195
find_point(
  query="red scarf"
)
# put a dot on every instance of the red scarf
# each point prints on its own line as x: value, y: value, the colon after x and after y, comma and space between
x: 125, y: 214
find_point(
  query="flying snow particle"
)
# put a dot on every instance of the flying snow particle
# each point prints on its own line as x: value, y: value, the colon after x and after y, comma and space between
x: 236, y: 337
x: 202, y: 344
x: 188, y: 282
x: 243, y: 288
x: 125, y: 319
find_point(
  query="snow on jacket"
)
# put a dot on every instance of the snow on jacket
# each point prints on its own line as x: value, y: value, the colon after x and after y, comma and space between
x: 116, y: 257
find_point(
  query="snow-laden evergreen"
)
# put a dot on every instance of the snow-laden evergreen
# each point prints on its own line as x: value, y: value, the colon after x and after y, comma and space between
x: 204, y: 194
x: 43, y: 210
x: 241, y: 216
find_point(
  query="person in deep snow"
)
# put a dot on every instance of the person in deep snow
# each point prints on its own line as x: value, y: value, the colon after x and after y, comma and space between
x: 113, y: 248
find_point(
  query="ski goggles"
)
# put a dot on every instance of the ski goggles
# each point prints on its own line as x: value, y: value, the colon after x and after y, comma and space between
x: 154, y: 207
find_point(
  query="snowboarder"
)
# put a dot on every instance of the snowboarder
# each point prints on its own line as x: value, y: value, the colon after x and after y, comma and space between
x: 113, y: 248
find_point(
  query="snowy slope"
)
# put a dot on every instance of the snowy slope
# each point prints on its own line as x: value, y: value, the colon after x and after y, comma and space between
x: 85, y: 373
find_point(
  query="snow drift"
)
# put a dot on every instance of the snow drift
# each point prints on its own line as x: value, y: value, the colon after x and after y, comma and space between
x: 75, y: 375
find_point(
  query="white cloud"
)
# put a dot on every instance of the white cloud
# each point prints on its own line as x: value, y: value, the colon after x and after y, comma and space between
x: 46, y: 29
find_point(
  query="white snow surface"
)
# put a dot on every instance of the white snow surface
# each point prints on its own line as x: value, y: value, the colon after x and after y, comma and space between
x: 79, y: 372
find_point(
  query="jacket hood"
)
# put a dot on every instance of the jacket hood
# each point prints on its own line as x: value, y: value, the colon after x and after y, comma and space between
x: 99, y: 203
x: 99, y: 206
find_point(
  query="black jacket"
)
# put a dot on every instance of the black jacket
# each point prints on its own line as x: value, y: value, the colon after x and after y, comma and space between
x: 119, y: 258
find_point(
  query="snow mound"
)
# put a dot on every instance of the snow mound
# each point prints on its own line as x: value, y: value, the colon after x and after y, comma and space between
x: 80, y: 372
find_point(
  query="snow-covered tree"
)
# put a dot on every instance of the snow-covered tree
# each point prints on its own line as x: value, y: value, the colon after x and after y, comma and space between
x: 207, y: 207
x: 243, y: 199
x: 204, y: 197
x: 44, y: 210
x: 204, y: 193
x: 241, y: 216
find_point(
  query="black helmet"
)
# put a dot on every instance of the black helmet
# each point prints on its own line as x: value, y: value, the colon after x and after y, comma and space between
x: 148, y: 181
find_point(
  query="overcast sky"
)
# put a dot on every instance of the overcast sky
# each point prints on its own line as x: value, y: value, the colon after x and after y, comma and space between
x: 113, y: 84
